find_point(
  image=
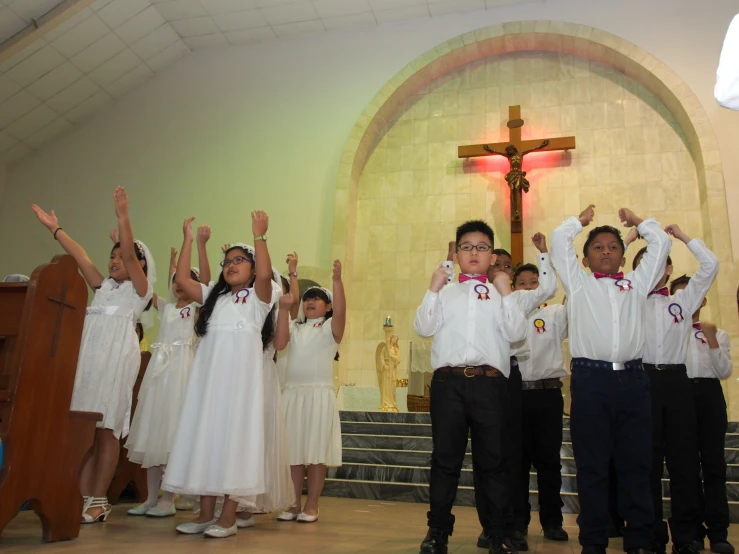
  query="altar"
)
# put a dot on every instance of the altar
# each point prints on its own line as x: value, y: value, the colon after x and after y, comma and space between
x: 367, y: 399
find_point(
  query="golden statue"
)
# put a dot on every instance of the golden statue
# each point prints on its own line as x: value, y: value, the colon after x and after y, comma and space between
x: 387, y: 359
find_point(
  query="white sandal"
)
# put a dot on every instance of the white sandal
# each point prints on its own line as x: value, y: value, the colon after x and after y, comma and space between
x: 96, y: 502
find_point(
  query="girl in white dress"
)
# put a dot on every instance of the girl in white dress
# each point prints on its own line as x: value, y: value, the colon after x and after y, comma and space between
x: 309, y: 399
x: 109, y: 357
x: 279, y: 492
x: 219, y: 444
x: 163, y: 389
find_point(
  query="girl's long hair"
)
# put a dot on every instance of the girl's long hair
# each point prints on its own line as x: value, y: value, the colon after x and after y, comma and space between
x: 139, y: 256
x: 221, y: 288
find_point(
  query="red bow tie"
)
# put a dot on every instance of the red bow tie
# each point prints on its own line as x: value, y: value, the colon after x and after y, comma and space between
x: 617, y: 276
x: 482, y: 278
x: 662, y: 292
x: 697, y: 326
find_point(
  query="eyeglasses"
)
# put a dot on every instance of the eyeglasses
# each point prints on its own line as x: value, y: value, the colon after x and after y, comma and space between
x: 466, y: 247
x: 236, y: 261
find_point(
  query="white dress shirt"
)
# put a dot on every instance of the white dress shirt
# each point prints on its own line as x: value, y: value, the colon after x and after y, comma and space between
x: 605, y: 322
x: 468, y: 328
x: 547, y: 328
x: 669, y: 319
x: 727, y: 75
x: 704, y: 361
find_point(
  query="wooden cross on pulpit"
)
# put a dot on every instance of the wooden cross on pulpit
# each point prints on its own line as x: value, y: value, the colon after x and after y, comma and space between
x: 515, y: 150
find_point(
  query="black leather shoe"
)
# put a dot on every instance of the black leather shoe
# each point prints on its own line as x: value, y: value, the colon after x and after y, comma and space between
x: 685, y: 548
x: 699, y: 545
x: 483, y: 541
x: 556, y: 534
x: 639, y: 551
x: 436, y: 542
x: 593, y: 549
x: 722, y: 547
x: 499, y: 545
x: 517, y: 541
x: 614, y: 531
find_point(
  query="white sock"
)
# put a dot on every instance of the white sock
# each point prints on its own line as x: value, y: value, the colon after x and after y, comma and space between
x: 165, y: 501
x: 153, y: 482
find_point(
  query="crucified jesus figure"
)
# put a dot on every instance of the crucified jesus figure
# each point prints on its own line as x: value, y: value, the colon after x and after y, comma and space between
x: 516, y: 177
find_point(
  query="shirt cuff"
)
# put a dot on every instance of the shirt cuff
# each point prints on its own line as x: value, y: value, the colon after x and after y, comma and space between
x: 646, y: 222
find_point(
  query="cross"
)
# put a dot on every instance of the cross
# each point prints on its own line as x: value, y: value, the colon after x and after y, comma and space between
x: 62, y: 304
x: 515, y: 150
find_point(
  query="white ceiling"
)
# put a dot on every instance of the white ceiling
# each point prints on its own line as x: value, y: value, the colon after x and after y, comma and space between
x: 112, y: 46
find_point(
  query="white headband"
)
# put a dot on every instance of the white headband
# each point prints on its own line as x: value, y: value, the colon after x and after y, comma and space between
x: 147, y: 317
x: 301, y: 313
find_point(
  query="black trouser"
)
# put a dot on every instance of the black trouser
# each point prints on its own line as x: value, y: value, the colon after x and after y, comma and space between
x: 515, y: 513
x: 461, y: 406
x: 542, y: 441
x: 710, y: 408
x: 674, y: 440
x: 612, y: 418
x: 616, y: 520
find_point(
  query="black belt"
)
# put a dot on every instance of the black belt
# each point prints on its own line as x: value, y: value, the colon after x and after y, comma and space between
x: 587, y: 363
x: 553, y: 383
x: 472, y: 371
x: 664, y: 367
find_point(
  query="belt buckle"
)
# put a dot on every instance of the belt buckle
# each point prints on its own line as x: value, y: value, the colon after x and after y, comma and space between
x: 465, y: 371
x: 617, y: 366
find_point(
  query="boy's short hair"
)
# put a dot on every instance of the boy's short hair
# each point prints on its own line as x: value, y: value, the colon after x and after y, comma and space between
x: 525, y: 267
x: 475, y: 226
x: 599, y: 231
x: 502, y: 252
x: 682, y: 280
x: 641, y: 253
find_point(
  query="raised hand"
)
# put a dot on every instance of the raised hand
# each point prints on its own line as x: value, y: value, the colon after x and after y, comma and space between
x: 114, y: 235
x: 121, y: 202
x: 587, y: 215
x: 187, y: 227
x: 286, y: 301
x: 502, y: 283
x: 675, y: 231
x: 225, y: 247
x: 49, y: 220
x: 540, y: 241
x: 709, y: 329
x: 631, y: 237
x: 172, y: 257
x: 203, y: 235
x: 628, y: 218
x: 259, y: 223
x: 292, y: 262
x: 438, y: 278
x: 336, y: 274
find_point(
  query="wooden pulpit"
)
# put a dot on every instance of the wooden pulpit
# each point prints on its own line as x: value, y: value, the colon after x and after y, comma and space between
x: 44, y: 442
x: 127, y: 472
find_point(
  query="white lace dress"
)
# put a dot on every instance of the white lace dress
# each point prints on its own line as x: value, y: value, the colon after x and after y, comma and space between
x: 110, y: 358
x: 309, y: 399
x: 219, y: 444
x: 162, y: 391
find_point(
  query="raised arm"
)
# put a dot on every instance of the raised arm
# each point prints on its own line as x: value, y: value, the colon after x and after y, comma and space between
x: 338, y: 320
x: 529, y: 300
x: 719, y: 349
x: 692, y: 295
x: 544, y: 144
x: 172, y: 265
x: 487, y: 148
x: 91, y: 273
x: 727, y: 75
x: 513, y: 320
x: 292, y: 268
x: 282, y: 333
x: 429, y: 317
x: 652, y: 266
x: 191, y: 287
x: 564, y: 257
x: 263, y: 280
x: 202, y: 239
x: 128, y: 254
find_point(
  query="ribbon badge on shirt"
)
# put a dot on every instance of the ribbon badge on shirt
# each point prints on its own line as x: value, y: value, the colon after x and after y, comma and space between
x: 185, y: 312
x: 482, y: 292
x: 242, y: 295
x: 676, y: 311
x: 318, y: 324
x: 539, y: 324
x: 623, y: 284
x: 700, y: 336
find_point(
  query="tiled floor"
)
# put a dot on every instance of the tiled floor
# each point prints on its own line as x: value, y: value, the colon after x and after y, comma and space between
x: 346, y: 526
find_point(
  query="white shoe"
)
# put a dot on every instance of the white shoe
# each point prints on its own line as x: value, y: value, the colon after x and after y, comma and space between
x: 162, y: 512
x: 246, y: 523
x: 193, y: 528
x: 305, y: 518
x: 287, y: 516
x: 218, y: 532
x: 139, y: 510
x: 96, y: 502
x: 182, y: 503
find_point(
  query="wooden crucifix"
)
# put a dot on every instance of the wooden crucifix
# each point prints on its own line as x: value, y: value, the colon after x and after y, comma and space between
x: 515, y: 150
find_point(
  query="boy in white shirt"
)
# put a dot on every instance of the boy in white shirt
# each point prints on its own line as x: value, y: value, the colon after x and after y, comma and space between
x: 611, y: 408
x: 708, y: 362
x: 674, y: 433
x: 542, y: 369
x: 473, y: 323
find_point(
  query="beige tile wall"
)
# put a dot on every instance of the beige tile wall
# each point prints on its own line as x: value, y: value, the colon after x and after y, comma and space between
x: 414, y: 190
